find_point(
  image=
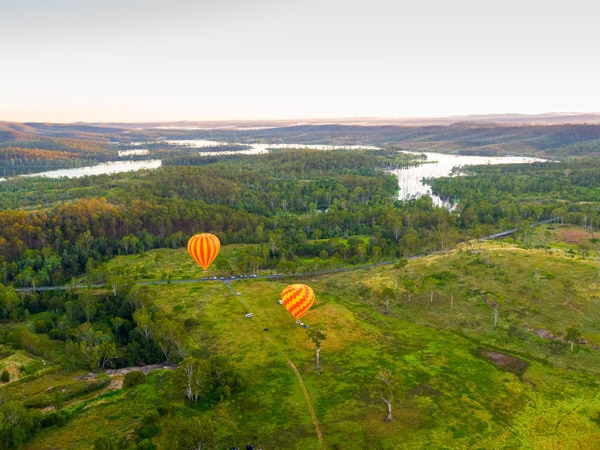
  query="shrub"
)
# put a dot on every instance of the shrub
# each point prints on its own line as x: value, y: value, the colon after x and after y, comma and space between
x: 5, y: 377
x: 134, y: 378
x: 190, y: 323
x: 58, y: 418
x: 149, y: 427
x: 57, y: 335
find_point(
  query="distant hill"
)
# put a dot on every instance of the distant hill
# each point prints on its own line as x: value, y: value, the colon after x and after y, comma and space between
x: 551, y: 135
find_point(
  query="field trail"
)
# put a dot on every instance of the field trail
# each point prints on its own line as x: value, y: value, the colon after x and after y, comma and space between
x: 309, y: 403
x: 296, y: 372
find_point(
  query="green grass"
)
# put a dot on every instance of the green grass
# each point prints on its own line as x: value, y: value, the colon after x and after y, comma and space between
x: 449, y: 395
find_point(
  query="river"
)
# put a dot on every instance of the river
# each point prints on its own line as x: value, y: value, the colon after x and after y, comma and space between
x: 410, y: 179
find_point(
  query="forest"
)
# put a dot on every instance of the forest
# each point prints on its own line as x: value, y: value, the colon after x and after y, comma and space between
x: 407, y: 292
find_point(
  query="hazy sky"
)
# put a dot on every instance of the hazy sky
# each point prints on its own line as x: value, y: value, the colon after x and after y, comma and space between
x: 138, y: 60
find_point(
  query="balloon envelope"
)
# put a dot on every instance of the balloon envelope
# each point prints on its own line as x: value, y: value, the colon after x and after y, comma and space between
x: 297, y: 299
x: 204, y: 248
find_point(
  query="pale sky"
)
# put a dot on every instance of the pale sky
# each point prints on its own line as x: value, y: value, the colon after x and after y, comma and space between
x: 146, y: 60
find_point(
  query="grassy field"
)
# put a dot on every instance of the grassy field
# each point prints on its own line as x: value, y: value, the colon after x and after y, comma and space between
x: 475, y: 339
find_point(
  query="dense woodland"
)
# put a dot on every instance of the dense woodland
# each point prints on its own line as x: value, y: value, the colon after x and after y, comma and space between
x: 295, y: 211
x: 292, y: 204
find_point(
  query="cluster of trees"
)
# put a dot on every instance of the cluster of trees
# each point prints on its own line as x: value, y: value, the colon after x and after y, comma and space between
x: 301, y: 208
x: 93, y: 330
x: 99, y: 330
x: 283, y: 203
x: 41, y: 154
x: 505, y: 195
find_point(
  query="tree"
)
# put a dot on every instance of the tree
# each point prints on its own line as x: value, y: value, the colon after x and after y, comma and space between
x: 387, y: 390
x: 410, y: 287
x: 195, y: 434
x: 316, y: 336
x: 572, y: 336
x: 223, y: 266
x: 143, y: 320
x: 194, y: 374
x: 108, y: 352
x: 171, y: 338
x: 387, y: 295
x: 15, y: 424
x: 568, y: 286
x: 8, y: 300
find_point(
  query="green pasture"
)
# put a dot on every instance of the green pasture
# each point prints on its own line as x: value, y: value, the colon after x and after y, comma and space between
x: 462, y: 381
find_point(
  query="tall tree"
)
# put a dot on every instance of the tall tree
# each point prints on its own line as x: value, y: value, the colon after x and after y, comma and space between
x: 387, y: 296
x: 316, y: 336
x: 194, y: 374
x: 387, y: 391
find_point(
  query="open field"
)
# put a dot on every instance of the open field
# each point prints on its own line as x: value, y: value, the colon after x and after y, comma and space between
x: 462, y: 381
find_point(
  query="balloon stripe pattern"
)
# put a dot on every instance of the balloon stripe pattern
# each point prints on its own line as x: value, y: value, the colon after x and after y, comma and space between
x: 204, y: 248
x: 297, y: 299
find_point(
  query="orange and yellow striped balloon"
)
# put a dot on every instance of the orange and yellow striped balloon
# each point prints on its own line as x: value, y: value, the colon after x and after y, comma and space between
x: 297, y: 299
x: 204, y: 248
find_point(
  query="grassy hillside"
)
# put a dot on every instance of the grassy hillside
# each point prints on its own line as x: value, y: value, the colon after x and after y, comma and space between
x: 462, y: 380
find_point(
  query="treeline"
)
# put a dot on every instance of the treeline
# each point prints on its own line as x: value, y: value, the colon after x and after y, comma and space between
x: 29, y: 156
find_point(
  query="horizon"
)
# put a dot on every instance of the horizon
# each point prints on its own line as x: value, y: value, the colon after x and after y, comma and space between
x: 550, y: 118
x: 179, y: 61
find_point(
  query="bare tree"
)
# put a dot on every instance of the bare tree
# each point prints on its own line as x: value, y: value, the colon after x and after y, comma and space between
x: 388, y: 390
x: 316, y: 336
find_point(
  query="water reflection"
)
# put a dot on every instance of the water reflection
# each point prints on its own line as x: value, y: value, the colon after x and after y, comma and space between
x: 141, y: 151
x: 99, y: 169
x: 442, y: 165
x: 258, y: 149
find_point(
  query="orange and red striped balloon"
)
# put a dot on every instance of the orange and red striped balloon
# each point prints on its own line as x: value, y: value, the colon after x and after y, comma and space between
x: 204, y: 248
x: 297, y: 299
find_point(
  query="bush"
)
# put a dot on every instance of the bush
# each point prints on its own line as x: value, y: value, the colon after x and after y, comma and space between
x: 190, y: 323
x: 58, y: 418
x: 5, y: 377
x: 149, y: 427
x: 57, y: 335
x: 134, y: 378
x: 166, y: 410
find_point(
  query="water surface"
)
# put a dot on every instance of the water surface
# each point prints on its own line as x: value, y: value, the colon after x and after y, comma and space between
x: 410, y: 179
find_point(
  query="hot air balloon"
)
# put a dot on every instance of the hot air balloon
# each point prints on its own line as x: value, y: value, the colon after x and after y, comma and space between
x: 297, y: 299
x: 204, y: 248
